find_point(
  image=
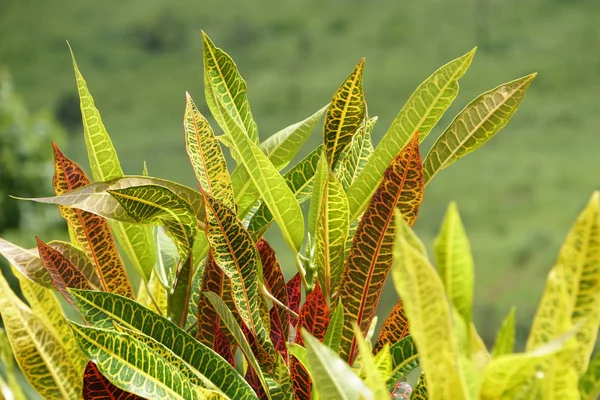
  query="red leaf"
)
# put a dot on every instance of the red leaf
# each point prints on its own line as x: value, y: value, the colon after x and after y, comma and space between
x: 394, y: 328
x: 277, y: 336
x: 294, y: 292
x: 212, y: 281
x: 222, y: 346
x: 97, y: 387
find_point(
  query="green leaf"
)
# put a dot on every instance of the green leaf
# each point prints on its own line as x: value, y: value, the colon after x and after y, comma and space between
x: 167, y: 258
x: 505, y: 340
x: 589, y: 383
x: 38, y: 347
x: 225, y: 92
x: 317, y: 199
x: 153, y: 204
x: 133, y: 366
x: 405, y: 358
x: 420, y: 390
x: 455, y: 263
x: 178, y: 300
x: 476, y: 124
x: 332, y: 377
x: 420, y: 114
x: 374, y: 377
x: 333, y: 336
x: 355, y: 156
x: 344, y: 115
x: 206, y: 156
x: 101, y: 309
x: 12, y: 387
x: 572, y: 294
x: 280, y: 148
x: 234, y: 328
x: 430, y: 316
x: 153, y: 295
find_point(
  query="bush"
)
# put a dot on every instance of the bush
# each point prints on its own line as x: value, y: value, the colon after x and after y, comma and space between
x: 214, y: 316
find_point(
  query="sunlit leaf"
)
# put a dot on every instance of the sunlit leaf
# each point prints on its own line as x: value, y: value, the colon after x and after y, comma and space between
x: 206, y: 156
x: 97, y: 387
x: 430, y: 316
x: 101, y: 309
x: 167, y: 258
x: 476, y: 124
x: 333, y: 336
x: 394, y: 328
x: 92, y: 232
x: 178, y: 301
x: 153, y: 295
x: 420, y: 114
x: 505, y: 339
x: 333, y: 378
x: 344, y: 115
x: 355, y: 156
x: 39, y: 349
x: 575, y: 281
x: 374, y: 377
x: 455, y: 263
x: 589, y: 383
x: 370, y: 257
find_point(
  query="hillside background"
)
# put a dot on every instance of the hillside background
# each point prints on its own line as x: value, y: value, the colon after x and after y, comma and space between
x: 518, y: 195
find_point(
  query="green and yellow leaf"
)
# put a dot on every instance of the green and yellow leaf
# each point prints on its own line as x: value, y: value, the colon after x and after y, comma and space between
x: 356, y: 155
x: 505, y: 339
x: 394, y: 328
x: 97, y: 387
x: 375, y: 378
x: 589, y: 383
x: 333, y: 336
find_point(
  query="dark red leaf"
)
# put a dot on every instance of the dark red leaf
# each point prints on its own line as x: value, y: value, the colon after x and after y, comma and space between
x: 97, y: 387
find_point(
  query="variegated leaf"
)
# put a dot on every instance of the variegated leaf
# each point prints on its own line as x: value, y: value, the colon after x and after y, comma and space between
x: 356, y: 155
x: 394, y: 328
x: 97, y: 387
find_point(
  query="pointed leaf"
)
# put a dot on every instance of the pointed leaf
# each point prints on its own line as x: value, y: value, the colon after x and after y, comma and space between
x: 344, y: 115
x: 420, y: 114
x: 92, y: 232
x: 97, y: 387
x: 455, y: 263
x: 333, y: 336
x: 355, y: 156
x: 394, y: 328
x: 430, y: 316
x: 206, y: 156
x: 333, y: 378
x: 476, y: 124
x: 101, y: 309
x: 505, y: 340
x: 370, y: 257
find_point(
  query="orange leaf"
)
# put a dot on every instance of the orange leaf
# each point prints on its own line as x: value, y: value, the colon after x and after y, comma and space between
x: 92, y: 231
x: 370, y: 257
x: 394, y: 328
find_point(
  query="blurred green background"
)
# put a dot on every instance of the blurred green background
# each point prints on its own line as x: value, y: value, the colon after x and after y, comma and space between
x: 518, y: 195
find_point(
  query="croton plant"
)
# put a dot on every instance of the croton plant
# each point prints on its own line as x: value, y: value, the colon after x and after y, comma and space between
x: 215, y: 318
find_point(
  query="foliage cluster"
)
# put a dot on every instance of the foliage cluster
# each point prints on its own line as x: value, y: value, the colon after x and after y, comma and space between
x: 214, y: 316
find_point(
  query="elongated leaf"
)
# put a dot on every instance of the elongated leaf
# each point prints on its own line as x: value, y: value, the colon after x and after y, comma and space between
x: 178, y: 300
x: 294, y: 292
x: 206, y: 156
x: 92, y: 232
x: 575, y: 280
x: 317, y: 199
x: 236, y: 254
x: 62, y: 272
x: 420, y: 114
x: 455, y: 263
x: 231, y: 324
x: 226, y: 91
x: 300, y: 180
x: 195, y: 295
x: 333, y: 378
x: 505, y: 340
x: 153, y: 295
x: 355, y: 156
x: 331, y: 232
x: 589, y: 383
x: 370, y: 257
x: 430, y: 316
x: 39, y: 351
x: 314, y: 318
x: 405, y: 358
x: 275, y: 284
x: 167, y: 258
x: 280, y: 148
x: 101, y: 309
x: 97, y: 387
x: 153, y: 204
x: 476, y: 124
x: 374, y: 377
x: 133, y: 366
x: 28, y: 262
x: 394, y: 328
x: 333, y: 336
x: 212, y: 281
x: 344, y: 115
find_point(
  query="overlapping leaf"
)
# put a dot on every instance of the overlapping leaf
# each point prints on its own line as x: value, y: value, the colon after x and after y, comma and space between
x: 294, y: 292
x: 430, y: 316
x: 39, y: 349
x: 370, y: 256
x: 152, y: 204
x: 11, y: 386
x: 153, y: 295
x: 207, y: 318
x: 104, y: 162
x: 97, y: 387
x: 505, y: 340
x: 206, y: 156
x: 356, y: 155
x: 405, y: 358
x: 63, y: 273
x: 375, y: 376
x: 333, y: 336
x: 101, y: 309
x: 455, y: 263
x: 589, y: 383
x: 167, y: 258
x: 420, y: 390
x: 421, y: 112
x: 476, y: 124
x: 178, y: 301
x: 236, y: 254
x: 394, y: 328
x: 92, y: 232
x: 573, y: 287
x: 344, y: 115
